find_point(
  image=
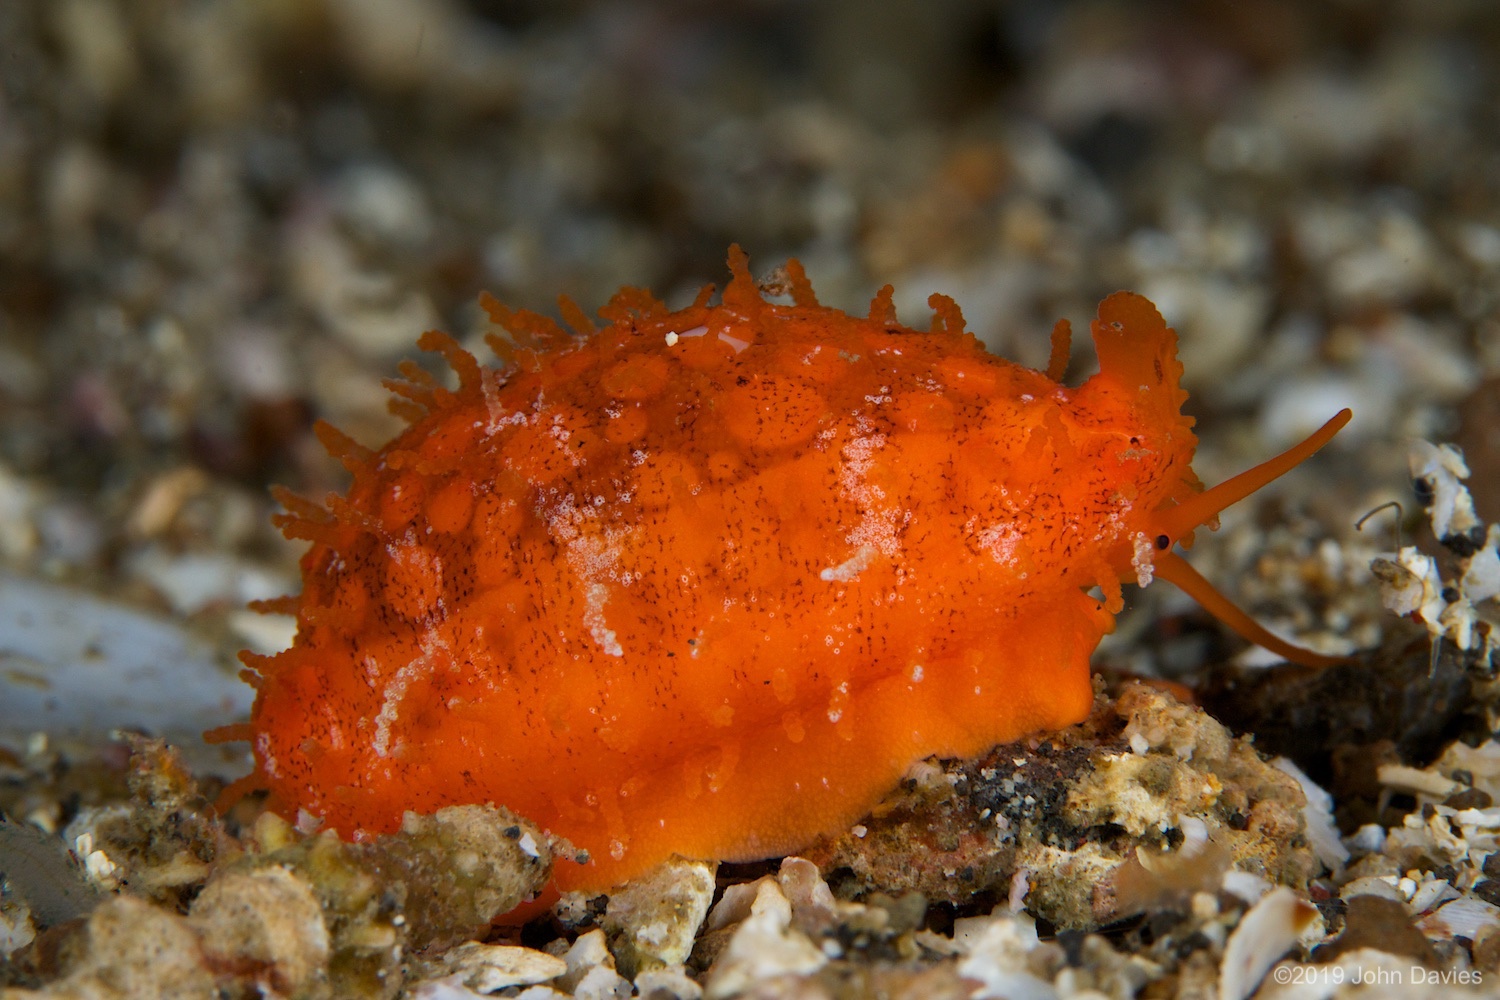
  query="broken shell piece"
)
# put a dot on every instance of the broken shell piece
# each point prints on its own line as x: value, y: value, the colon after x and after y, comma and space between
x: 1382, y: 886
x: 814, y: 910
x: 1410, y: 581
x: 1465, y: 917
x: 591, y: 969
x: 765, y: 946
x: 1322, y: 831
x: 1249, y: 888
x: 1430, y: 894
x: 1481, y: 764
x: 1415, y: 781
x: 38, y: 866
x: 1267, y: 931
x: 487, y: 968
x: 1481, y: 580
x: 998, y: 951
x: 1439, y: 471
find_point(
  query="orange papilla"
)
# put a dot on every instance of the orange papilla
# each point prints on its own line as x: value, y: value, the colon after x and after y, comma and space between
x: 708, y: 582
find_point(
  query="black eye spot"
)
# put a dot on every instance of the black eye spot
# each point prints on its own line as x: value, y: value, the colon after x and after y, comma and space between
x: 1163, y: 542
x: 1135, y: 441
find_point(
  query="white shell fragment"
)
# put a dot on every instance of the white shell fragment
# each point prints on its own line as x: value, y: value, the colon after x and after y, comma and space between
x: 486, y: 968
x: 591, y: 969
x: 1322, y: 831
x: 1415, y: 780
x: 1267, y: 931
x: 73, y: 664
x: 765, y: 946
x: 997, y: 947
x: 1461, y: 610
x: 1442, y: 468
x: 1465, y: 917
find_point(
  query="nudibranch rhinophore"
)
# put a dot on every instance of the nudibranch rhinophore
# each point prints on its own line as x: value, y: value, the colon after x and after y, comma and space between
x: 707, y: 582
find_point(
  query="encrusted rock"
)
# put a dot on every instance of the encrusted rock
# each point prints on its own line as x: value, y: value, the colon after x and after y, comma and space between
x: 462, y: 867
x: 163, y: 842
x: 268, y: 922
x: 653, y: 920
x: 1063, y: 812
x: 127, y: 950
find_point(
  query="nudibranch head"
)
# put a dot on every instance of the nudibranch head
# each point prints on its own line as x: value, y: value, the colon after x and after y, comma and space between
x: 708, y: 581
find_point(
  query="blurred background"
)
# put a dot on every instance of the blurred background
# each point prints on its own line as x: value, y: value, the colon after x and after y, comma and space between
x: 221, y: 220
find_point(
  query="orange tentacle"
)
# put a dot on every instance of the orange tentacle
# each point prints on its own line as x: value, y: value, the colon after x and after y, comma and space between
x: 1175, y: 522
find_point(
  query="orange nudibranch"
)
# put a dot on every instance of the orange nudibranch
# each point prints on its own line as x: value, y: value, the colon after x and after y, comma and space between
x: 708, y: 581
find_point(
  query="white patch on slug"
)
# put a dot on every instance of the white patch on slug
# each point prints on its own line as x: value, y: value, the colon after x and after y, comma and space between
x: 1000, y: 541
x: 593, y: 617
x: 1145, y: 571
x: 594, y: 557
x: 267, y: 759
x: 851, y: 567
x: 876, y: 533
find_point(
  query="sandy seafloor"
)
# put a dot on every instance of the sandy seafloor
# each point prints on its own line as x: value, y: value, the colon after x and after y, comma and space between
x: 220, y: 221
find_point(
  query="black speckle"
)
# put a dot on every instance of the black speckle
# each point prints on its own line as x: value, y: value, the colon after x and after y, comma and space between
x: 1465, y: 544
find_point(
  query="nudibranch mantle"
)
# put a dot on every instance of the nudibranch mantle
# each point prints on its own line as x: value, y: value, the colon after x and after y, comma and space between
x: 707, y: 582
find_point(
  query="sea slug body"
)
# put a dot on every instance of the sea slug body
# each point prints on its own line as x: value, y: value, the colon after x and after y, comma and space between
x: 707, y: 582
